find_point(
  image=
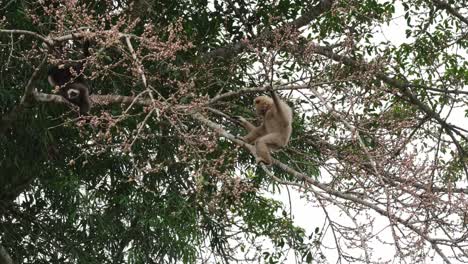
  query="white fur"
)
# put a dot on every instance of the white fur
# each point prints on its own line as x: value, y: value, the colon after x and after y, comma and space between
x: 73, y: 93
x: 51, y: 81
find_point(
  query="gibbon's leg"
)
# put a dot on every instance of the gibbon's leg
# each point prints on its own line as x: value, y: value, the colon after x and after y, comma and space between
x: 254, y: 134
x: 85, y: 105
x: 263, y: 145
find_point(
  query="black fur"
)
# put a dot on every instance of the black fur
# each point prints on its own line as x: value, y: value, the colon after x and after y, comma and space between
x: 66, y: 73
x: 72, y: 85
x: 78, y: 94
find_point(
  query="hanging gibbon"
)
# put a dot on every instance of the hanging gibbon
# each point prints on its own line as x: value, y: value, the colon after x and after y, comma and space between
x: 275, y: 130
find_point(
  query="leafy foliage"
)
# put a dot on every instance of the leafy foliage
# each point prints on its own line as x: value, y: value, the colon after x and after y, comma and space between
x: 146, y: 181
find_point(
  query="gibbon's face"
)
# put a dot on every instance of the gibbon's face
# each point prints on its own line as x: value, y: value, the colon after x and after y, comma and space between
x: 262, y: 105
x: 73, y: 94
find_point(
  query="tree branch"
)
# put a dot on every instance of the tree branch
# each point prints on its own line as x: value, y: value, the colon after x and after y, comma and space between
x: 95, y: 99
x: 46, y: 40
x: 403, y: 87
x: 137, y: 62
x: 265, y: 88
x: 302, y: 177
x: 444, y: 5
x: 52, y: 41
x: 309, y: 15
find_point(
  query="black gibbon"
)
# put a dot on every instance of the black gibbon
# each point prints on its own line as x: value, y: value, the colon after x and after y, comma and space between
x: 71, y: 83
x: 275, y: 130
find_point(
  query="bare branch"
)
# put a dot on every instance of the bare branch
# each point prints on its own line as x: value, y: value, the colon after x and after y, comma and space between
x: 137, y: 62
x: 46, y: 40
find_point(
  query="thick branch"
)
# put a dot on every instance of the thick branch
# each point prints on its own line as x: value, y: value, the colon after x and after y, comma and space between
x: 220, y: 130
x: 46, y: 40
x: 444, y: 5
x: 95, y: 99
x: 313, y: 13
x: 52, y: 41
x: 309, y: 15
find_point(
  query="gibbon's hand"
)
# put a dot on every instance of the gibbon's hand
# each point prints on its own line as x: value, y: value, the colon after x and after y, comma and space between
x: 269, y: 89
x: 233, y: 119
x: 239, y: 119
x: 241, y: 139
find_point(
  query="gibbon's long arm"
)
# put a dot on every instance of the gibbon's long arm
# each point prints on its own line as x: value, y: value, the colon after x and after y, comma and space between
x: 279, y: 106
x: 86, y: 48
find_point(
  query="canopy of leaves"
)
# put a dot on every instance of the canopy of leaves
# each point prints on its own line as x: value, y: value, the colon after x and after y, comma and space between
x: 156, y: 172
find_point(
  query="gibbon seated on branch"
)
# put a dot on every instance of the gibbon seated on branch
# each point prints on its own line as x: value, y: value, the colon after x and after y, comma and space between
x: 275, y: 130
x: 71, y: 83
